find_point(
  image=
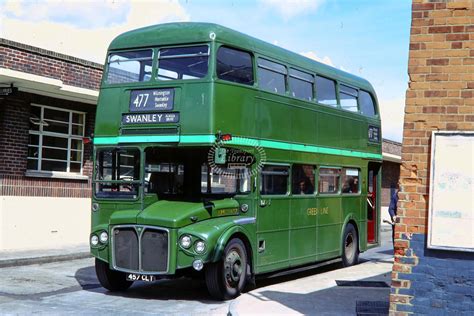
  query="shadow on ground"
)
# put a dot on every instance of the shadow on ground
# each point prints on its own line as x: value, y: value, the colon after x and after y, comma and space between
x: 337, y: 300
x: 183, y: 288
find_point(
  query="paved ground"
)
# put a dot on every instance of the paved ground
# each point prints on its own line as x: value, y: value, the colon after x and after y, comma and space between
x: 71, y: 287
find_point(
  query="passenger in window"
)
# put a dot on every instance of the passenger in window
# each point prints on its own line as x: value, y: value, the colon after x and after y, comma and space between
x: 304, y: 187
x: 355, y: 185
x: 351, y: 185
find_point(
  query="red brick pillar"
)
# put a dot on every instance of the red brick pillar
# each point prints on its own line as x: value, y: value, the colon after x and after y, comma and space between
x: 440, y: 97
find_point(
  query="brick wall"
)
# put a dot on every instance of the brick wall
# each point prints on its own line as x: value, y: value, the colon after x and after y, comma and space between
x: 15, y: 113
x: 440, y: 97
x: 33, y: 60
x: 14, y: 137
x: 390, y: 176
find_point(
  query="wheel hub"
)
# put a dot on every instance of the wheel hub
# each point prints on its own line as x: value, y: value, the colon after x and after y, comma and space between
x: 349, y: 246
x: 233, y: 267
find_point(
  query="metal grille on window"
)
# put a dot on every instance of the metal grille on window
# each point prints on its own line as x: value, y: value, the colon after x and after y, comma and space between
x: 55, y: 139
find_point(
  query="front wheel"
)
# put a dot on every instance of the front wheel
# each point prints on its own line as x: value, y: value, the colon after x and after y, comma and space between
x: 350, y: 246
x: 110, y: 279
x: 226, y: 278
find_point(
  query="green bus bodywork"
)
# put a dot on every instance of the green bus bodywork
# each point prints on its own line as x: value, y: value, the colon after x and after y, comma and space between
x: 279, y: 231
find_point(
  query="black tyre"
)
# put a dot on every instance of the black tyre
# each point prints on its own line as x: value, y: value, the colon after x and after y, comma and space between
x: 226, y: 278
x: 110, y: 279
x: 350, y: 246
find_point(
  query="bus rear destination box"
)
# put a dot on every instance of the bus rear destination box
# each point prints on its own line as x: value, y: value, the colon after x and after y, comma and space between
x: 151, y: 100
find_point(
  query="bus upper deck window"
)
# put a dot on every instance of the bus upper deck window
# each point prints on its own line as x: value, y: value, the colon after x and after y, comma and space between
x: 271, y: 76
x: 132, y: 66
x: 366, y: 104
x: 234, y: 65
x: 181, y: 63
x: 301, y: 84
x: 326, y: 91
x: 348, y: 97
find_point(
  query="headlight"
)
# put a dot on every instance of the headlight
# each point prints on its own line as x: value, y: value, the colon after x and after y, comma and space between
x: 94, y: 240
x: 200, y: 246
x: 103, y: 237
x: 185, y: 242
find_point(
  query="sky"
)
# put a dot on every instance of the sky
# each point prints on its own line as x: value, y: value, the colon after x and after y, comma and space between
x: 368, y: 38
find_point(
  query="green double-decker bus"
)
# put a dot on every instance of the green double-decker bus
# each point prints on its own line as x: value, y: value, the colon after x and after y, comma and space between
x: 219, y: 154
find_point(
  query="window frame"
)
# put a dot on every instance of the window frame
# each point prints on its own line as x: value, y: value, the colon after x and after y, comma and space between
x: 156, y: 61
x: 295, y: 76
x: 288, y: 189
x: 338, y: 192
x: 252, y: 62
x: 95, y: 174
x: 153, y: 65
x: 336, y: 94
x: 343, y: 174
x: 355, y: 95
x: 275, y: 70
x: 374, y: 104
x: 316, y: 178
x: 69, y: 137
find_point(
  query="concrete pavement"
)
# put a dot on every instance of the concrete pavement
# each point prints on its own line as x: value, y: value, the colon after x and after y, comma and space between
x: 71, y: 287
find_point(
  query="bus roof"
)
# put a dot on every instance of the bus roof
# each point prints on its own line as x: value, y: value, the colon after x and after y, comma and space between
x: 193, y: 32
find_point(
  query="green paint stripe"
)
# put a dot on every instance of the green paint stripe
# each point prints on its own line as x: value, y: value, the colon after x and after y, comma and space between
x: 209, y: 139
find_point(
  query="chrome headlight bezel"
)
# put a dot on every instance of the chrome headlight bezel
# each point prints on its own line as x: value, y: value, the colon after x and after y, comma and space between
x: 185, y: 241
x: 94, y: 241
x: 200, y: 247
x: 103, y: 239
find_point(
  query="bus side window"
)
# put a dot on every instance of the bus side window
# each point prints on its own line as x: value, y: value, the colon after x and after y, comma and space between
x: 271, y: 76
x: 301, y: 84
x: 329, y: 180
x: 350, y: 180
x: 234, y: 65
x: 326, y: 91
x: 348, y: 97
x: 302, y: 179
x: 366, y: 104
x: 274, y: 180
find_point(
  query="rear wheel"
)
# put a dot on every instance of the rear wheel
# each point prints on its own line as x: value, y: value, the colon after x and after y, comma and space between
x: 110, y: 279
x: 226, y: 278
x: 350, y: 246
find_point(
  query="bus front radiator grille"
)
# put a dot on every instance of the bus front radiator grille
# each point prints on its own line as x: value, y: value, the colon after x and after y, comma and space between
x: 126, y: 248
x: 140, y: 249
x: 154, y: 250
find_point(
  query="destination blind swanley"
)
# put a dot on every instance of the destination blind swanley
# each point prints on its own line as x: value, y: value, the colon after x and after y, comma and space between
x: 150, y: 118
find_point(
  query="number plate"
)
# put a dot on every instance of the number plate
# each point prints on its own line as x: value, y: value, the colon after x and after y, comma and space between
x: 140, y: 277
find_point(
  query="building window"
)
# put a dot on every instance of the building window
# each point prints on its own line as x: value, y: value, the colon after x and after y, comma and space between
x: 56, y: 139
x: 234, y: 65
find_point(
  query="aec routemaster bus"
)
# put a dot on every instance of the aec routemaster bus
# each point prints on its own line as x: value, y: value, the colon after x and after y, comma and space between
x: 220, y: 153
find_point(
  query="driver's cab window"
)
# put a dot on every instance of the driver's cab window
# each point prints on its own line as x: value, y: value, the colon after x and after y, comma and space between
x: 165, y: 178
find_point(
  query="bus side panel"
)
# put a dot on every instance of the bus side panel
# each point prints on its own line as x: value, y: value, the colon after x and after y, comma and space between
x: 329, y: 226
x: 235, y: 110
x: 303, y: 230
